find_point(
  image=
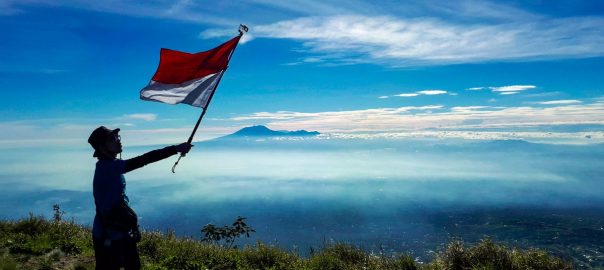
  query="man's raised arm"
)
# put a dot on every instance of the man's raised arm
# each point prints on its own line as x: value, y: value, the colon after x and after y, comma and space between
x: 155, y: 155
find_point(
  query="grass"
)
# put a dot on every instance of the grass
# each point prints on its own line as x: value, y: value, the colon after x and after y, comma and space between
x: 37, y: 243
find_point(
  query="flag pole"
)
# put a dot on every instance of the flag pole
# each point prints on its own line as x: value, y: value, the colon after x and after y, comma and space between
x: 242, y: 29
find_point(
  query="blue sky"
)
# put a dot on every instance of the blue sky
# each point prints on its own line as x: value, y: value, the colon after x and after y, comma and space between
x: 469, y: 69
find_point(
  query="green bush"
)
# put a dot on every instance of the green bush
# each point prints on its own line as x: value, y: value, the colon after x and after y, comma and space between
x: 151, y: 246
x: 400, y: 262
x: 69, y: 236
x: 325, y: 261
x: 27, y: 244
x: 538, y: 259
x: 488, y: 255
x: 339, y: 256
x: 347, y: 253
x: 179, y: 263
x: 263, y: 256
x: 36, y: 243
x: 32, y: 225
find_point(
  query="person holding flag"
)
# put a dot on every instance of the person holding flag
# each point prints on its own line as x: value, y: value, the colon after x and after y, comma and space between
x: 180, y: 78
x: 115, y: 228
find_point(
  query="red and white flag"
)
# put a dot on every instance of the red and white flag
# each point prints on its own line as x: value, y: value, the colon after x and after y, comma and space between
x: 189, y: 78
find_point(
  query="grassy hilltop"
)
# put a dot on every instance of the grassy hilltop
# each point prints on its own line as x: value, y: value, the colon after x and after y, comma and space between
x: 38, y: 243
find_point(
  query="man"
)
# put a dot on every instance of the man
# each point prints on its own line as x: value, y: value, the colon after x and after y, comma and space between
x: 115, y: 229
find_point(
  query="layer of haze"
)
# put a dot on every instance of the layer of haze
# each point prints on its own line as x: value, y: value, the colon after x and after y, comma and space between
x: 301, y: 192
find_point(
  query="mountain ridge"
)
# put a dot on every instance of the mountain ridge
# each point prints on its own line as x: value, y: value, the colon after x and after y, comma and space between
x: 260, y: 131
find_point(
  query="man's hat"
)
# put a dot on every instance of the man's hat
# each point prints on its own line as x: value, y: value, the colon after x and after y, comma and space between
x: 99, y: 136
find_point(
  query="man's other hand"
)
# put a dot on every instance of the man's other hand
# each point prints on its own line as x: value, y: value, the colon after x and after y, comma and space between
x: 183, y: 148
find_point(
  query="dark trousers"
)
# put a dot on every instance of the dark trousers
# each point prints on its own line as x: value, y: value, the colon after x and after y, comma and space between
x: 119, y: 253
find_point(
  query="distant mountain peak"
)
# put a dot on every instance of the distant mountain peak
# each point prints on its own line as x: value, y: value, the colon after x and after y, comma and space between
x: 263, y: 131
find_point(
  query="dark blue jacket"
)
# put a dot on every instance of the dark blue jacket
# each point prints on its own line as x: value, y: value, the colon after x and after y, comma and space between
x: 109, y: 188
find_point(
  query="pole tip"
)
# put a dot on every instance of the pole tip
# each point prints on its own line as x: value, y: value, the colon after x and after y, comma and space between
x: 242, y: 29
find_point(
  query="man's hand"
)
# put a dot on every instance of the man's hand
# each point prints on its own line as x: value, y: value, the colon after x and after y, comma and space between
x: 183, y: 148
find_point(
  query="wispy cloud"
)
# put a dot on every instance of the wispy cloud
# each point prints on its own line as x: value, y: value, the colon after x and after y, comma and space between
x: 468, y: 108
x: 422, y: 92
x: 73, y: 133
x: 512, y: 88
x: 432, y: 92
x: 394, y: 34
x: 141, y: 116
x: 400, y: 41
x: 433, y: 117
x: 183, y: 10
x: 504, y: 90
x: 534, y: 136
x: 367, y: 114
x: 558, y: 102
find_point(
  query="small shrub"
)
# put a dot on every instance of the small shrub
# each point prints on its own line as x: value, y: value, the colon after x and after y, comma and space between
x: 32, y: 225
x: 339, y: 256
x: 324, y: 261
x: 347, y: 253
x: 150, y: 246
x: 57, y: 213
x: 488, y: 255
x: 268, y: 257
x: 538, y: 259
x: 404, y: 262
x: 455, y: 257
x: 34, y: 245
x: 179, y: 263
x: 70, y: 237
x: 228, y: 234
x: 69, y: 247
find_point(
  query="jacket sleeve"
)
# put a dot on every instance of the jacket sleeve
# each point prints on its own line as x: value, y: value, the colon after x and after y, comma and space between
x: 150, y: 157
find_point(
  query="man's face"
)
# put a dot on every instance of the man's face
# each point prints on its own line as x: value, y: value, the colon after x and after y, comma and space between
x: 113, y: 145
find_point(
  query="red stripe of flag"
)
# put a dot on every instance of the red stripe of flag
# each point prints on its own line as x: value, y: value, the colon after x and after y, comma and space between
x: 178, y: 67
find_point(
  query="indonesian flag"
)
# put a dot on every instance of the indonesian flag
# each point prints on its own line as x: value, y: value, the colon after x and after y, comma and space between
x: 189, y: 78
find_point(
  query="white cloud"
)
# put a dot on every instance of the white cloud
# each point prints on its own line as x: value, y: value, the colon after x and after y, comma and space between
x: 432, y: 117
x: 382, y: 97
x: 142, y: 116
x: 534, y: 136
x: 367, y: 114
x: 558, y: 102
x: 423, y: 92
x: 396, y: 34
x: 432, y: 92
x: 401, y: 41
x: 70, y: 133
x: 468, y: 108
x: 512, y: 88
x: 505, y: 90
